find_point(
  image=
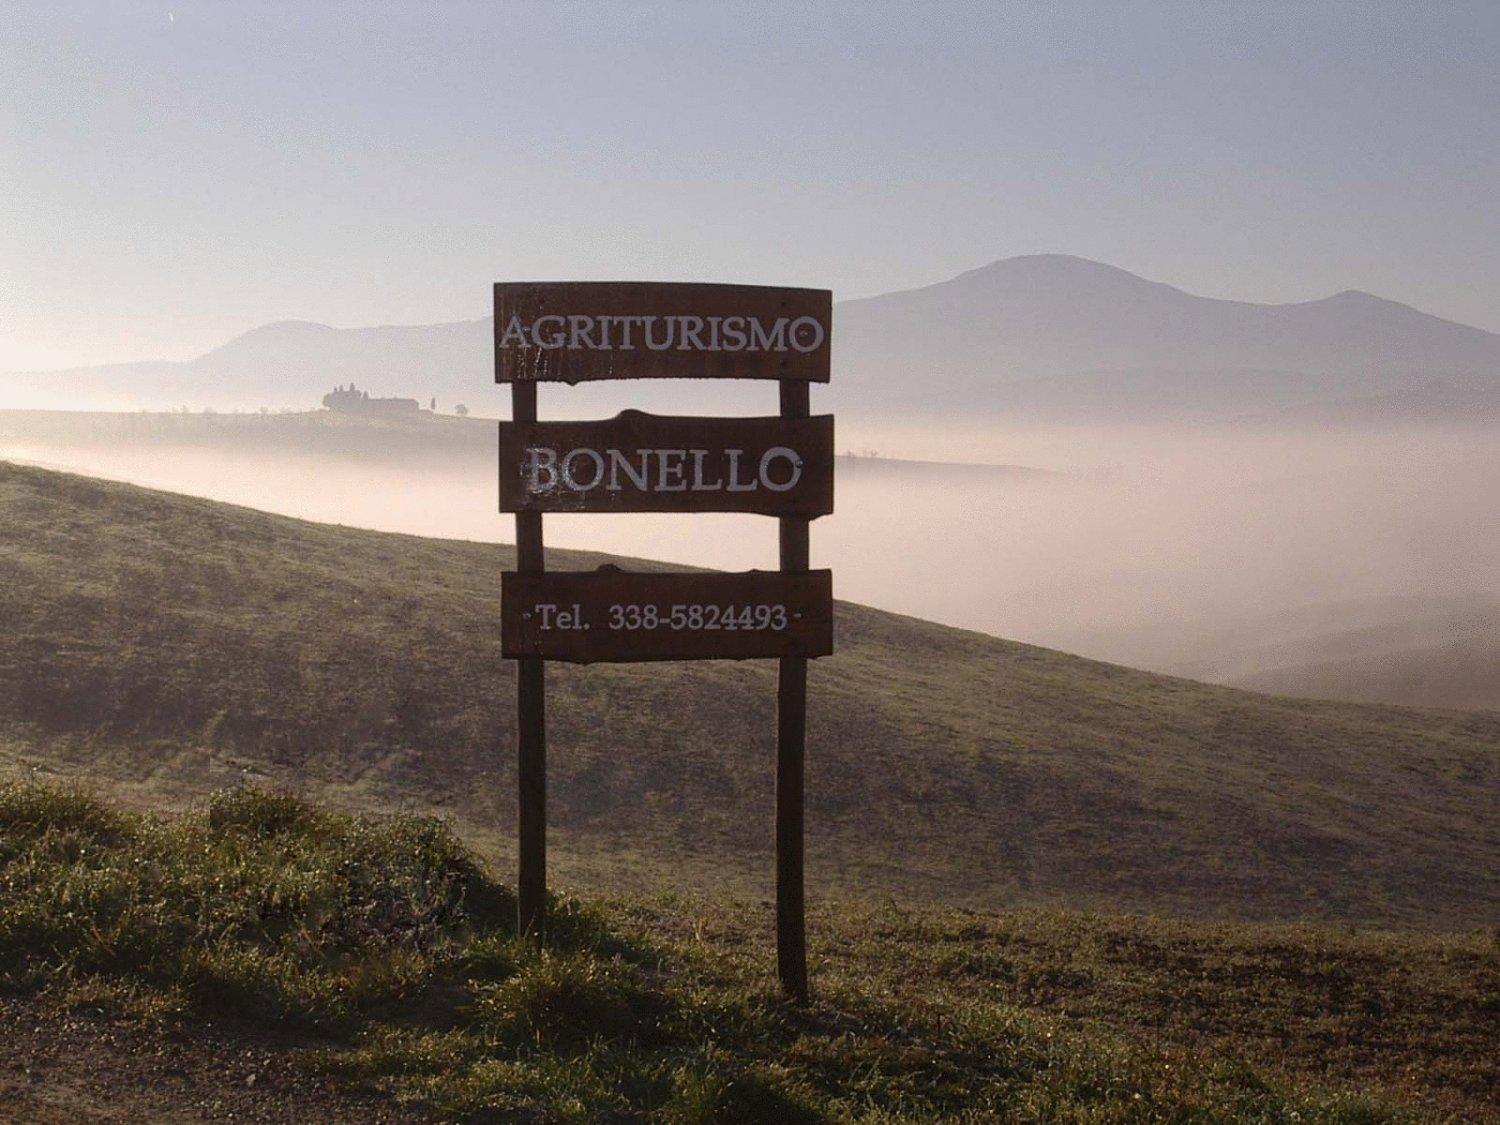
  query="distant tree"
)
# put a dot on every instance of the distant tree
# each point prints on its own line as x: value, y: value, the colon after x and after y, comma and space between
x: 461, y: 410
x: 432, y: 405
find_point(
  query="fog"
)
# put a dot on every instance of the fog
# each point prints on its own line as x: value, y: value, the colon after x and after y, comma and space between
x: 1179, y: 549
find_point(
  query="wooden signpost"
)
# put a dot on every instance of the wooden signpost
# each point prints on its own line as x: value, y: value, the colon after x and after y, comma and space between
x: 573, y: 332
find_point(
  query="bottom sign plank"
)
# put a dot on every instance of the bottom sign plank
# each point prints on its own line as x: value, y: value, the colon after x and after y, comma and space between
x: 616, y: 616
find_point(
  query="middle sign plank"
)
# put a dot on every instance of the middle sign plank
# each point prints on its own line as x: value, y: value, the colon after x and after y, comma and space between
x: 639, y: 462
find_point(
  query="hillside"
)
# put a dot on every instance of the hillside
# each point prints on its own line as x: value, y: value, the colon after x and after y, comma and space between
x: 1046, y: 334
x: 170, y: 645
x: 1461, y: 672
x: 263, y: 959
x: 1420, y: 651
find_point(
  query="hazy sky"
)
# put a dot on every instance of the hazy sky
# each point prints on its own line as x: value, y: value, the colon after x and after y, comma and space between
x: 174, y: 173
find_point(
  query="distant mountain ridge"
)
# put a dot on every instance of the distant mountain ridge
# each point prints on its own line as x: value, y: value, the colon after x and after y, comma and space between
x: 1052, y: 330
x: 1044, y: 332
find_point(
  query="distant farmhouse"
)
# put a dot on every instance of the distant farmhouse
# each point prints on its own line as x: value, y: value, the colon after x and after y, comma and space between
x: 355, y: 401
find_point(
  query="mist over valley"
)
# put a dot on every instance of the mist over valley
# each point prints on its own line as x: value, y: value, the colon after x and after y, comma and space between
x: 1298, y: 497
x: 1298, y: 559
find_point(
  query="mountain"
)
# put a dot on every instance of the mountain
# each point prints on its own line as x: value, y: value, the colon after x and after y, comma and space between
x: 162, y: 645
x: 1063, y: 332
x: 1045, y: 333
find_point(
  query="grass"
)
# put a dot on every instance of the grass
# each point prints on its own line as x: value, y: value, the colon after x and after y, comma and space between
x: 384, y: 944
x: 258, y: 903
x: 170, y: 646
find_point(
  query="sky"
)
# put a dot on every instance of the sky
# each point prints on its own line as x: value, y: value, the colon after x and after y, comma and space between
x: 173, y: 174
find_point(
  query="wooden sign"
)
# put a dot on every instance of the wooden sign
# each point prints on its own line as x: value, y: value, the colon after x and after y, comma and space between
x: 576, y: 331
x: 638, y: 462
x: 613, y: 615
x: 573, y: 332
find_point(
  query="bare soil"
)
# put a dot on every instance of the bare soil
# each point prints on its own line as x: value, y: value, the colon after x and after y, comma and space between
x: 63, y: 1067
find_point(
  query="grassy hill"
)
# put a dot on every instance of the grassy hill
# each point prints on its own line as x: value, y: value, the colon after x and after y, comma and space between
x: 168, y: 645
x: 1434, y: 650
x: 324, y: 967
x: 1462, y: 671
x: 1420, y: 651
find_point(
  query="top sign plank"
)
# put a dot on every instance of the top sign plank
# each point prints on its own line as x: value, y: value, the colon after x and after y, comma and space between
x: 579, y: 331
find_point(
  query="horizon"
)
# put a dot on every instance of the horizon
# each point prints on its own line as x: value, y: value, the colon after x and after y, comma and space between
x: 1071, y: 258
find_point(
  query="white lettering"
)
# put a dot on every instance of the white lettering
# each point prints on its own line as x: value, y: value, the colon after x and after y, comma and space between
x: 775, y: 341
x: 735, y: 485
x: 625, y: 323
x: 581, y: 332
x: 541, y: 461
x: 734, y: 333
x: 699, y: 484
x: 536, y: 332
x: 513, y: 329
x: 688, y: 328
x: 663, y: 333
x: 806, y: 334
x: 567, y: 470
x: 670, y: 475
x: 617, y: 463
x: 780, y: 452
x: 651, y: 336
x: 661, y: 470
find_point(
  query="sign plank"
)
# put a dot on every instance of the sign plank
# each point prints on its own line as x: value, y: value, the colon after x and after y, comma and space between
x: 577, y: 331
x: 638, y: 462
x: 613, y: 615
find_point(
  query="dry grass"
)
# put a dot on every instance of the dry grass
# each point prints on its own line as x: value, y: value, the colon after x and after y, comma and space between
x: 171, y: 645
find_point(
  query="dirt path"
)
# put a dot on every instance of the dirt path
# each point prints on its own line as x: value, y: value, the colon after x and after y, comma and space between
x: 64, y: 1068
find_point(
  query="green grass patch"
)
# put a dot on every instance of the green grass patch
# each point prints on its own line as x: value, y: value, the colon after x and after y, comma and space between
x: 385, y: 944
x: 256, y: 904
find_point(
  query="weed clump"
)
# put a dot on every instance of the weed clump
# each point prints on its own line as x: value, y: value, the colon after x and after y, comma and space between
x: 564, y: 999
x: 256, y: 905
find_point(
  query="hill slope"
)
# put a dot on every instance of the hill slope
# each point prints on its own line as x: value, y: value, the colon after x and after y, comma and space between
x: 1462, y: 672
x: 1417, y: 650
x: 170, y: 644
x: 1048, y: 332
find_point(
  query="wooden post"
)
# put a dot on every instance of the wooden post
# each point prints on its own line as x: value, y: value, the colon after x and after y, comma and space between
x: 791, y: 741
x: 531, y: 727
